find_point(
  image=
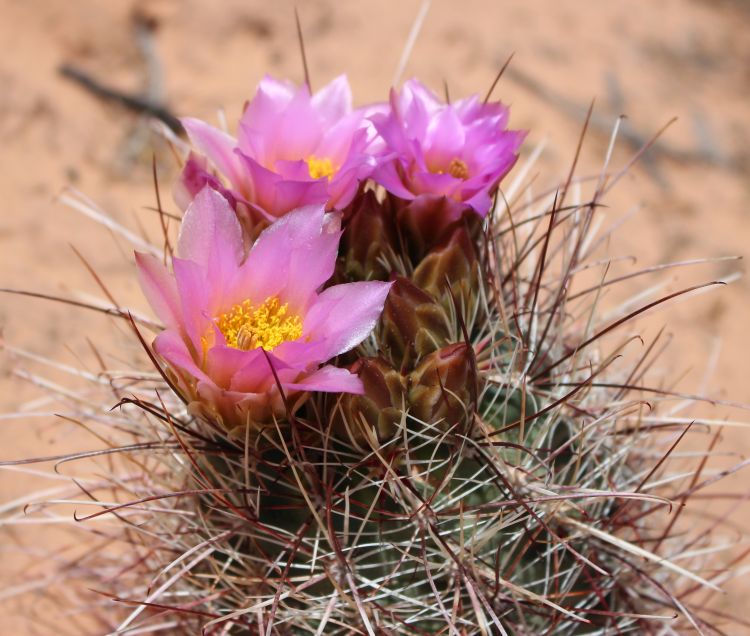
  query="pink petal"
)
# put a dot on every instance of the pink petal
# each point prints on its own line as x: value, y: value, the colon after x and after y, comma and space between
x: 193, y: 178
x: 218, y: 147
x: 197, y: 301
x: 296, y: 228
x: 416, y: 113
x: 297, y: 170
x: 270, y: 100
x: 388, y: 174
x: 246, y: 371
x: 301, y: 353
x: 390, y: 126
x: 159, y: 288
x: 445, y: 138
x: 170, y: 346
x: 257, y: 375
x: 223, y: 362
x: 282, y: 253
x: 414, y: 91
x: 301, y: 130
x: 263, y: 119
x: 345, y: 145
x: 480, y: 202
x: 211, y: 235
x: 344, y: 315
x: 276, y: 195
x: 296, y: 194
x: 375, y: 143
x: 310, y: 266
x: 329, y: 379
x: 334, y: 100
x: 342, y: 139
x: 431, y: 183
x: 293, y: 135
x: 344, y: 186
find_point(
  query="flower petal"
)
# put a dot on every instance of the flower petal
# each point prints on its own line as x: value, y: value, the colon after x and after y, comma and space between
x: 197, y: 301
x: 265, y: 109
x: 170, y: 346
x: 223, y: 362
x: 310, y: 266
x: 334, y: 100
x: 344, y: 315
x: 434, y: 184
x: 446, y: 138
x: 218, y: 146
x: 415, y: 91
x: 159, y: 288
x: 299, y: 131
x: 293, y: 254
x: 193, y: 178
x: 211, y: 235
x: 329, y: 379
x: 256, y: 376
x: 389, y: 174
x: 276, y: 195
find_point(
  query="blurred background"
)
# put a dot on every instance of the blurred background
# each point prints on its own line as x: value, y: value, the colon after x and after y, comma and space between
x: 688, y: 198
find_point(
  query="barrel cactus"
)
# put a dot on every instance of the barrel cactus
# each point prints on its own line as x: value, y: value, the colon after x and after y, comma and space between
x: 373, y: 404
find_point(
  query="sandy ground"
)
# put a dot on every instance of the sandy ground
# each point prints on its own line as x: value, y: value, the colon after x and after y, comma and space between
x: 651, y: 61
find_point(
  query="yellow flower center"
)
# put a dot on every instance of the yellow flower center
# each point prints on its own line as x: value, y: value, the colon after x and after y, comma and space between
x: 268, y: 325
x: 458, y: 169
x: 319, y: 168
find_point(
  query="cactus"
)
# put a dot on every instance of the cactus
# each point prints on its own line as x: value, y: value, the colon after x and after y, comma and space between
x: 486, y: 475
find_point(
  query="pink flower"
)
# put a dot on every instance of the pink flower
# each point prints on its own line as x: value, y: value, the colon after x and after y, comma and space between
x: 458, y: 151
x: 292, y: 149
x: 230, y: 317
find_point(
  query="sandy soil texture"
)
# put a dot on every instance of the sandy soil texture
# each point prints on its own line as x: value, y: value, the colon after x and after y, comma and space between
x: 648, y: 60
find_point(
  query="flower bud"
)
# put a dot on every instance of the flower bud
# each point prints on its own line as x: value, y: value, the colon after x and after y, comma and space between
x: 423, y: 222
x: 379, y: 409
x: 452, y: 263
x: 413, y: 324
x: 444, y: 385
x: 368, y: 238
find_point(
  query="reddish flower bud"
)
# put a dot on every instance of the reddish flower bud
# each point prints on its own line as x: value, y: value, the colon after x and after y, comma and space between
x: 444, y: 385
x: 452, y: 263
x: 413, y: 324
x: 369, y: 238
x: 381, y: 406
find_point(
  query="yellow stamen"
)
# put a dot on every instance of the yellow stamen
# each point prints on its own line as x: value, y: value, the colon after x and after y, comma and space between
x: 458, y: 169
x: 320, y: 167
x: 268, y: 325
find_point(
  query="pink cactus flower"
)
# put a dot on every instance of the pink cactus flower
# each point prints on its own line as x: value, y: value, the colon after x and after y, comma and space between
x: 292, y: 149
x: 240, y: 326
x: 455, y: 152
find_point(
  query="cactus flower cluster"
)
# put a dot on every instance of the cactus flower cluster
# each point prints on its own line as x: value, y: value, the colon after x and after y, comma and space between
x: 296, y: 230
x: 379, y: 409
